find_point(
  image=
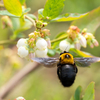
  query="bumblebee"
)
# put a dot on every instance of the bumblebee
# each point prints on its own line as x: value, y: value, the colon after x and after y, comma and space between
x: 66, y: 66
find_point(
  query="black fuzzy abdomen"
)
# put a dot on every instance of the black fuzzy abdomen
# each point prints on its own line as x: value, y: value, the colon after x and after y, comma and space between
x: 66, y: 74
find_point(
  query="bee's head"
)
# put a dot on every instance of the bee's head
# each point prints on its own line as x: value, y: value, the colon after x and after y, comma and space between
x: 66, y: 58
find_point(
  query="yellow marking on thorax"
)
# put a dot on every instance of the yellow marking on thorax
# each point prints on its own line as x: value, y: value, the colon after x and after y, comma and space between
x: 66, y: 60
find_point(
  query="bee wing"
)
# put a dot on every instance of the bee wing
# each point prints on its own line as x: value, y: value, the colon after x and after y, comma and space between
x: 86, y: 61
x: 47, y: 62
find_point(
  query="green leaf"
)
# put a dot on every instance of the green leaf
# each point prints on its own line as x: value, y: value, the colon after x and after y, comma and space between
x: 15, y: 23
x: 62, y: 34
x: 53, y: 8
x: 72, y: 98
x: 26, y: 10
x: 89, y: 92
x: 68, y: 17
x: 22, y: 1
x: 78, y: 93
x: 13, y: 6
x: 78, y: 53
x: 6, y: 13
x: 91, y: 21
x: 20, y: 25
x: 40, y: 13
x: 51, y: 52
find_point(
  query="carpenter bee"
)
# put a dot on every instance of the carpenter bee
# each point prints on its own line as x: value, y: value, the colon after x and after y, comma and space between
x: 66, y: 66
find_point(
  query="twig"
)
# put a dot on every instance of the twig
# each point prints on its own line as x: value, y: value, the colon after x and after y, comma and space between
x: 7, y: 42
x: 5, y: 89
x: 58, y: 39
x: 29, y: 18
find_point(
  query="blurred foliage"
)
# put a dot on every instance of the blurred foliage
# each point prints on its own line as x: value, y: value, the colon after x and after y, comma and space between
x: 44, y: 84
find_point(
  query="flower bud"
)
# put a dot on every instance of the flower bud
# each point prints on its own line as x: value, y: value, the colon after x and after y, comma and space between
x: 46, y: 32
x: 64, y: 45
x: 6, y: 21
x: 41, y: 53
x: 91, y: 45
x: 31, y: 35
x: 45, y: 24
x: 21, y: 42
x: 39, y: 24
x: 89, y: 36
x: 22, y: 52
x: 48, y: 43
x: 20, y: 98
x: 83, y: 41
x: 95, y: 42
x: 31, y: 42
x: 41, y: 44
x: 84, y: 30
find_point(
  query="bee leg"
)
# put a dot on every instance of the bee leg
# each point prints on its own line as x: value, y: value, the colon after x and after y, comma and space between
x: 58, y: 73
x: 58, y: 65
x: 76, y: 69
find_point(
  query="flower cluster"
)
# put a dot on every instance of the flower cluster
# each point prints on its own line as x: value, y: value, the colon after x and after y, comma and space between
x: 38, y: 42
x: 35, y: 45
x: 76, y: 39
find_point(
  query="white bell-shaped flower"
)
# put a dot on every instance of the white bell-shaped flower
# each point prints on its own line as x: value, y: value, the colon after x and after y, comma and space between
x: 21, y: 42
x: 83, y: 41
x: 64, y: 45
x: 22, y: 52
x: 41, y: 53
x: 41, y: 44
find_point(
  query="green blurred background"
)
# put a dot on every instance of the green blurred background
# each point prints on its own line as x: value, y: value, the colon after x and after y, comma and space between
x: 43, y: 84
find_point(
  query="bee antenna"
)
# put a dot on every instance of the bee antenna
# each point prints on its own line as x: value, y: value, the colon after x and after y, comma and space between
x: 65, y: 49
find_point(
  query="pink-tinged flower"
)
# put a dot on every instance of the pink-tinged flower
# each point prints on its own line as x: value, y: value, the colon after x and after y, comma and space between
x: 95, y: 42
x: 48, y: 43
x: 6, y: 21
x: 91, y: 45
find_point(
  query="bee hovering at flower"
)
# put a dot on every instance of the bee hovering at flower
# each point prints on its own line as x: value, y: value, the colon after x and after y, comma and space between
x: 66, y: 66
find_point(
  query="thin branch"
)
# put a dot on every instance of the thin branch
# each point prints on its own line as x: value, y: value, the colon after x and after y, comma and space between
x: 5, y: 89
x: 7, y: 42
x: 29, y: 18
x: 58, y: 39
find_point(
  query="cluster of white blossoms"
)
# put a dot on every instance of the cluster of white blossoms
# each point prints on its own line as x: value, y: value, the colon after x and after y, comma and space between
x: 38, y: 43
x: 40, y: 48
x: 77, y: 40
